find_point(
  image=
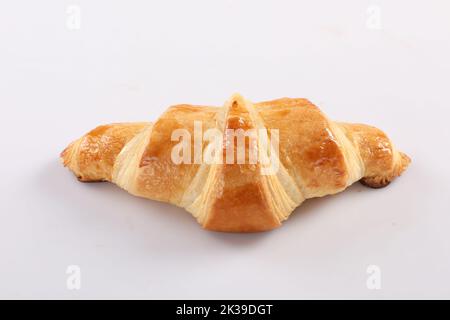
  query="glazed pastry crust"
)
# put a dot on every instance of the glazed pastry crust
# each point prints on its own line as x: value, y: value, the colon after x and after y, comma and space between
x: 317, y: 157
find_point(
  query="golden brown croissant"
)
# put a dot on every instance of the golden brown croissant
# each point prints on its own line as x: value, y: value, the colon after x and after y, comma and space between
x: 313, y: 157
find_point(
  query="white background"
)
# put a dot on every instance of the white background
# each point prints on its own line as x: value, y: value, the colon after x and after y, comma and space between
x: 130, y: 60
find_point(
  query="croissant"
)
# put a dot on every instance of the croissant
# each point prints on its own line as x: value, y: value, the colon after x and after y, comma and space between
x: 231, y: 192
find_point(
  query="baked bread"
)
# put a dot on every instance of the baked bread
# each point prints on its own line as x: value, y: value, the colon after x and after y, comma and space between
x: 315, y: 157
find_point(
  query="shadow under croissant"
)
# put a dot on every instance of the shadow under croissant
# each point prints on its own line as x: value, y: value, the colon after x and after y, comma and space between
x: 53, y: 179
x: 298, y: 220
x: 180, y: 231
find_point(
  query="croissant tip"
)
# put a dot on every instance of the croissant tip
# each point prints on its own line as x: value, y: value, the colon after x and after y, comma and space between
x: 63, y: 156
x: 67, y: 154
x: 405, y: 160
x: 378, y: 182
x: 236, y: 98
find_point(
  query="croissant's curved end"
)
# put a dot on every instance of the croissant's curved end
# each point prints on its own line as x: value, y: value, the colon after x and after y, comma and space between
x: 401, y: 162
x: 91, y: 158
x: 380, y: 161
x: 405, y: 161
x: 69, y: 159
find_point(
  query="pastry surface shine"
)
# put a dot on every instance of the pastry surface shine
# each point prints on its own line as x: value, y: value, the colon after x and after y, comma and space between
x: 316, y: 157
